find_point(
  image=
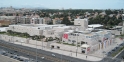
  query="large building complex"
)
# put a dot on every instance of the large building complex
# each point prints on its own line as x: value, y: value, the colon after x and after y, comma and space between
x: 89, y: 39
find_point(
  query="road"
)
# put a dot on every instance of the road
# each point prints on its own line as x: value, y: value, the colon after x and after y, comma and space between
x: 31, y: 53
x: 6, y: 59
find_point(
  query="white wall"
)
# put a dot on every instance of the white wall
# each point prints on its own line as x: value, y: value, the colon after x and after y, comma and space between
x: 23, y: 40
x: 66, y: 47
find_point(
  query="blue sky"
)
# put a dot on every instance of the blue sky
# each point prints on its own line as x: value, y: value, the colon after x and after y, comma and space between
x: 66, y: 4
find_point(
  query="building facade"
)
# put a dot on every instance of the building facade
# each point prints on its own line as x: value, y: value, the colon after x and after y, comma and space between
x: 38, y: 29
x: 89, y: 41
x: 83, y: 23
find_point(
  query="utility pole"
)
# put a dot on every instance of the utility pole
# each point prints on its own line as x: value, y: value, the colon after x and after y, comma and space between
x: 123, y: 24
x: 77, y: 41
x: 36, y: 50
x: 13, y: 34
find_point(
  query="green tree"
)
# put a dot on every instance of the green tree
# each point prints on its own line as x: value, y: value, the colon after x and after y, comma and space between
x: 66, y: 21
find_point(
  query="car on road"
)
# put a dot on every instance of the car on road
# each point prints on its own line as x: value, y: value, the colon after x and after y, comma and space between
x: 53, y: 54
x: 42, y: 57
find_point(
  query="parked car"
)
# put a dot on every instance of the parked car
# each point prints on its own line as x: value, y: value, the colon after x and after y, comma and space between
x: 116, y: 47
x: 20, y: 59
x: 53, y: 54
x: 113, y: 49
x: 11, y: 56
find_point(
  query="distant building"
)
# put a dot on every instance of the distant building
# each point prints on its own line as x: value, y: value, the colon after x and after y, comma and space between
x: 47, y: 20
x: 25, y: 20
x: 4, y: 23
x: 56, y: 21
x: 10, y: 18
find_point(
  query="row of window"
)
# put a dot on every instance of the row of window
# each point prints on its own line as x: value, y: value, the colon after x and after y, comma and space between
x: 91, y: 36
x: 74, y: 34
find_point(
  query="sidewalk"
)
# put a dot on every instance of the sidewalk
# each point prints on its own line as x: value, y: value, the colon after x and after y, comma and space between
x: 67, y: 53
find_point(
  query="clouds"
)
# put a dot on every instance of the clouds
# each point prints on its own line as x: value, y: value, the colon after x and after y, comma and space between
x: 74, y: 4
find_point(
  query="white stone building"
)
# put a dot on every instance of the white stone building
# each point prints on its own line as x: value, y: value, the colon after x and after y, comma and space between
x: 40, y: 29
x: 88, y: 41
x: 83, y: 23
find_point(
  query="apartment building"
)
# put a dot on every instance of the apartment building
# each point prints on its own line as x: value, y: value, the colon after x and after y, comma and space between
x: 56, y: 21
x: 4, y: 22
x: 37, y: 20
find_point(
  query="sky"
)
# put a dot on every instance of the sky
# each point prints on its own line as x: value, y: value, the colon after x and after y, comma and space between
x: 66, y: 4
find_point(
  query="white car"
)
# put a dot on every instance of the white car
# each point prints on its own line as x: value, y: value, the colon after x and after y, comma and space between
x: 53, y: 54
x: 42, y: 57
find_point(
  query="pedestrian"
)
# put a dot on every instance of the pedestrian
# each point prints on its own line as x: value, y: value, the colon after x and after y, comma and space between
x: 86, y: 57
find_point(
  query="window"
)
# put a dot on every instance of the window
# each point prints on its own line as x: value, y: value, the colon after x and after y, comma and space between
x: 83, y: 47
x: 58, y: 47
x: 87, y: 37
x: 91, y: 36
x: 82, y: 42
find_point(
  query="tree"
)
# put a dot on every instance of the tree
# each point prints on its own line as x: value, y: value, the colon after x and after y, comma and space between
x: 66, y: 21
x: 41, y: 37
x: 9, y: 31
x: 26, y: 34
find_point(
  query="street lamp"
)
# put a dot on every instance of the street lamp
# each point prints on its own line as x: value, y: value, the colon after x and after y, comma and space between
x: 13, y: 34
x: 123, y: 24
x: 77, y: 44
x: 103, y: 53
x: 36, y: 49
x: 21, y: 42
x: 61, y: 57
x: 41, y: 37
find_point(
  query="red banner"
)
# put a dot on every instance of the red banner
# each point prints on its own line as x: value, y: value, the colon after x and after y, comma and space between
x: 65, y: 36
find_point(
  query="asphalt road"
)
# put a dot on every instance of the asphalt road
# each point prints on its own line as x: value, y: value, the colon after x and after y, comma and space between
x: 49, y: 54
x: 6, y: 59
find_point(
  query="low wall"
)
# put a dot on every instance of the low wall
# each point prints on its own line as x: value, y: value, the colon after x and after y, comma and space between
x: 23, y: 40
x: 66, y: 47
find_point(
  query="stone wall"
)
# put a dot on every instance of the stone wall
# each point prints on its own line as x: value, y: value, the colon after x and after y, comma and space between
x: 20, y: 39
